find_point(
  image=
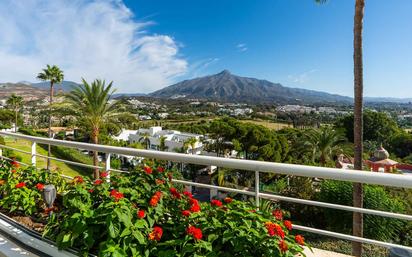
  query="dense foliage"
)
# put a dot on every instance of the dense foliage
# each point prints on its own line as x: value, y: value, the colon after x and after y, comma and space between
x: 142, y: 214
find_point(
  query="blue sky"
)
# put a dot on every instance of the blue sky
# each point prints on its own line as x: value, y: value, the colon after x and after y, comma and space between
x: 144, y: 45
x: 295, y: 42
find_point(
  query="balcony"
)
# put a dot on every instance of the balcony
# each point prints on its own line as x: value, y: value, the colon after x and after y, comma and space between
x: 258, y: 168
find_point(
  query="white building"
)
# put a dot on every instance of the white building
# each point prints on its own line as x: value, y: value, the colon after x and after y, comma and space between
x: 174, y: 140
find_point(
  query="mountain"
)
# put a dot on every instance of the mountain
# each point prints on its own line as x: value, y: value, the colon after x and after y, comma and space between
x: 227, y: 87
x: 387, y: 100
x: 28, y: 92
x: 66, y: 86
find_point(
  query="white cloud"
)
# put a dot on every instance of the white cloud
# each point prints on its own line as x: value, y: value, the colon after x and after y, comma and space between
x: 242, y: 47
x: 302, y: 77
x: 90, y: 39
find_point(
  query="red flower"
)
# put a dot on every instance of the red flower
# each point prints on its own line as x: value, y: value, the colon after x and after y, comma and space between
x: 195, y: 232
x: 104, y: 174
x: 274, y: 229
x: 228, y: 200
x: 278, y: 214
x: 156, y: 234
x: 159, y: 181
x: 91, y: 190
x: 288, y: 224
x: 193, y: 201
x: 175, y: 193
x: 195, y: 208
x: 148, y: 169
x: 216, y: 203
x: 20, y: 185
x: 188, y: 194
x: 300, y: 239
x: 78, y: 179
x: 13, y: 171
x: 98, y: 181
x: 116, y: 195
x: 283, y: 246
x: 40, y: 186
x: 160, y: 169
x: 252, y: 211
x: 15, y: 164
x: 186, y: 213
x: 141, y: 214
x: 155, y: 199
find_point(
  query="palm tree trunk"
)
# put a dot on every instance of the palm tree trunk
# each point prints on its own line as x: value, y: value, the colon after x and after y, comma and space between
x: 358, y: 121
x: 50, y: 124
x: 95, y: 138
x: 15, y: 121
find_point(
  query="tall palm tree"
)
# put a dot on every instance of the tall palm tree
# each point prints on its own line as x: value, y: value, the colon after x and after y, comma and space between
x: 15, y: 102
x: 145, y: 139
x: 358, y: 118
x: 93, y: 109
x: 192, y: 143
x: 324, y: 143
x: 55, y: 76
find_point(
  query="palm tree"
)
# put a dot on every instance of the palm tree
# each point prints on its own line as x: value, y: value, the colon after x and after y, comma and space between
x: 358, y: 118
x: 55, y: 76
x: 93, y: 109
x: 15, y: 102
x: 324, y: 143
x: 145, y: 139
x: 162, y: 145
x: 192, y: 143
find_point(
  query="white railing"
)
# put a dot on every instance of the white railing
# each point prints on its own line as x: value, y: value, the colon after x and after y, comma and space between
x: 385, y: 179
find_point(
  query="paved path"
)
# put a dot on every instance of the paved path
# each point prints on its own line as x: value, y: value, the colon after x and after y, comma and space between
x: 323, y: 253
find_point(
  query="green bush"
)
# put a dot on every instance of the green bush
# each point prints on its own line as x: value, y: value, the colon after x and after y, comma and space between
x: 375, y: 197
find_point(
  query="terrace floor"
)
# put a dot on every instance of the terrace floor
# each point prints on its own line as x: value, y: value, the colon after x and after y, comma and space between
x: 323, y: 253
x: 10, y: 249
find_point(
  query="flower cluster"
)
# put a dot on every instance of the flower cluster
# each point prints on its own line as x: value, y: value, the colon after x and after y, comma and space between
x: 274, y: 229
x: 216, y: 203
x: 20, y: 185
x: 196, y: 233
x: 141, y: 214
x: 116, y: 195
x: 155, y: 199
x: 175, y: 193
x: 156, y: 234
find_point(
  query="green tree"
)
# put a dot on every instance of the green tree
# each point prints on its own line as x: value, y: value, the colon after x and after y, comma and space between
x: 324, y: 143
x: 55, y: 76
x: 90, y: 104
x: 145, y: 139
x: 14, y: 103
x: 162, y: 145
x: 191, y: 142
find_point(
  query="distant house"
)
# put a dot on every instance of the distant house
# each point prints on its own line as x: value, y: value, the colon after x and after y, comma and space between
x: 124, y: 134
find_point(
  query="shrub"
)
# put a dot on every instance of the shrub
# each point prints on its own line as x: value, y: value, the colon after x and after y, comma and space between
x: 375, y: 197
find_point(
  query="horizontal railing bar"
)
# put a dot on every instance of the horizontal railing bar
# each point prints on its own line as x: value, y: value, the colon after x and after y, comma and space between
x: 10, y: 159
x: 226, y: 189
x: 14, y: 149
x: 336, y: 206
x: 120, y: 171
x: 349, y: 237
x: 384, y: 179
x: 70, y: 162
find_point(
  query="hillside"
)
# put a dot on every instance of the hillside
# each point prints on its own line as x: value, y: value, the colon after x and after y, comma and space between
x: 28, y: 92
x: 227, y: 87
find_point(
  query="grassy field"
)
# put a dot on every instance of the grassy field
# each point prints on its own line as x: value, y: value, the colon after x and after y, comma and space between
x: 269, y: 124
x: 41, y: 162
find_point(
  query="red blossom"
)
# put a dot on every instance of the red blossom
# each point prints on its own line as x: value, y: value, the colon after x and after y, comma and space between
x: 278, y: 214
x: 186, y: 213
x: 20, y: 185
x: 195, y: 208
x: 274, y: 229
x: 300, y: 239
x: 288, y: 224
x: 104, y: 174
x: 216, y: 203
x: 15, y: 164
x: 148, y: 169
x: 141, y: 214
x: 98, y: 182
x: 160, y: 169
x: 159, y: 181
x: 13, y: 171
x: 195, y: 232
x: 155, y: 199
x: 228, y: 200
x: 91, y: 190
x: 40, y: 186
x: 283, y: 246
x: 116, y: 195
x: 78, y: 179
x: 188, y: 194
x: 175, y: 193
x: 156, y: 233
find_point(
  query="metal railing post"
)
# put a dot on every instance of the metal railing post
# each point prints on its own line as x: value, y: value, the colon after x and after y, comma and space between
x: 33, y: 154
x: 257, y: 184
x: 107, y: 166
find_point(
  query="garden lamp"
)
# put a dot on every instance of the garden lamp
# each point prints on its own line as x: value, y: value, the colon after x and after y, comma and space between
x: 49, y: 195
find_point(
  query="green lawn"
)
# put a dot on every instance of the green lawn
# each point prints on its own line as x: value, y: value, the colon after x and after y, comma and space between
x: 24, y: 145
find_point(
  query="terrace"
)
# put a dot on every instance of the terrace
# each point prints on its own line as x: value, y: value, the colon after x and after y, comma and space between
x: 258, y: 168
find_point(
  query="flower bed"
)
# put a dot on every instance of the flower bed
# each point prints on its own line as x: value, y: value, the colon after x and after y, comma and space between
x: 143, y: 214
